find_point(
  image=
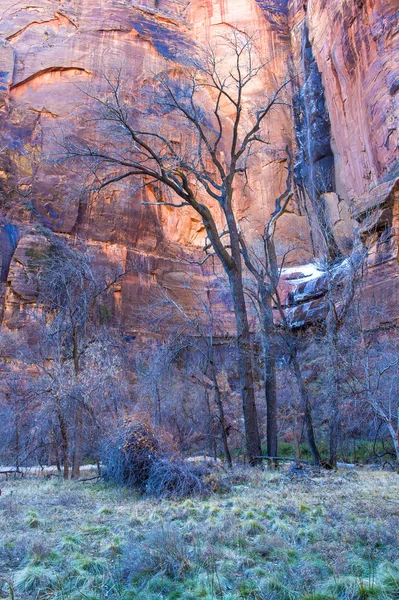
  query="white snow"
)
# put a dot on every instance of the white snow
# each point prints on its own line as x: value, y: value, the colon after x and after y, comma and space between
x: 305, y: 273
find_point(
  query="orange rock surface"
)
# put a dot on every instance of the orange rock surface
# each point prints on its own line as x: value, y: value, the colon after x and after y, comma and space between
x: 53, y: 49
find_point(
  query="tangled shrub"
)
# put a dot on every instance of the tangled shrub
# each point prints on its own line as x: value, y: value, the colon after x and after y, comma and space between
x: 140, y: 456
x: 170, y: 477
x: 129, y: 453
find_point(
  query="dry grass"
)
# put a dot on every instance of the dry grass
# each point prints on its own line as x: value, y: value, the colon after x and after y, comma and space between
x: 272, y: 536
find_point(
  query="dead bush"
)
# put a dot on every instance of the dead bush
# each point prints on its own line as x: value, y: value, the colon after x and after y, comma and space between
x: 129, y: 453
x: 175, y: 478
x: 140, y: 456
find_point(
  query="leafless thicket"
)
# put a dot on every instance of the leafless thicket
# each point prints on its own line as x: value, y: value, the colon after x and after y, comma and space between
x: 194, y: 339
x: 70, y: 375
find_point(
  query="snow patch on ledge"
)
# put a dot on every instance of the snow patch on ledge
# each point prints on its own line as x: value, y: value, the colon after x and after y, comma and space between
x: 301, y: 273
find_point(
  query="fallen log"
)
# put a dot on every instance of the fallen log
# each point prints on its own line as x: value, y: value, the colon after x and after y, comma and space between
x: 8, y: 472
x: 281, y: 458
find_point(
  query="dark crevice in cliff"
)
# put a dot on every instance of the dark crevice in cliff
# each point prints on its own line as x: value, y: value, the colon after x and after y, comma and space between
x: 314, y: 168
x: 48, y: 70
x: 19, y: 32
x: 9, y: 237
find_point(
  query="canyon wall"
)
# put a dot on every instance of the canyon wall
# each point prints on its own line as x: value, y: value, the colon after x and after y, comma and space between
x: 355, y: 44
x: 342, y: 59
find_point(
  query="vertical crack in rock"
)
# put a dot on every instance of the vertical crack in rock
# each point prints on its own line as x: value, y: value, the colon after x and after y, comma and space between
x: 314, y: 169
x: 9, y: 236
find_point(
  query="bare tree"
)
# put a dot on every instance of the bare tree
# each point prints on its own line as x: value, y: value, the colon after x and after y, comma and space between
x: 17, y: 408
x: 201, y: 168
x: 91, y: 395
x: 266, y: 269
x: 69, y: 298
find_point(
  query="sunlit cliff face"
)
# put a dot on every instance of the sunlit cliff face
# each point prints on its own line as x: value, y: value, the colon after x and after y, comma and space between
x: 53, y: 52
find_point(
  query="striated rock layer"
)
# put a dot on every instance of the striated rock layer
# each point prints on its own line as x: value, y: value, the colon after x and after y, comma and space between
x: 344, y: 129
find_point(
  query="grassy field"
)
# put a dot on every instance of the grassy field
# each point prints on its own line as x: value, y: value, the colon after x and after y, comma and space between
x: 270, y: 536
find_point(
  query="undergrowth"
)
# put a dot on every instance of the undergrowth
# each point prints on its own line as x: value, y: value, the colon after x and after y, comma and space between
x: 274, y: 536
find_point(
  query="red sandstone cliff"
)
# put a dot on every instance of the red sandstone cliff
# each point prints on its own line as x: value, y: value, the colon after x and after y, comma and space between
x: 49, y: 51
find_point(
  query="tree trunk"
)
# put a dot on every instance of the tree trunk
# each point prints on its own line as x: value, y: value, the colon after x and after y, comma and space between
x: 51, y: 449
x: 335, y: 422
x: 210, y: 436
x: 64, y: 445
x: 335, y: 404
x: 17, y: 443
x: 252, y: 436
x: 269, y: 375
x: 77, y: 446
x: 157, y: 406
x: 297, y: 447
x: 335, y: 385
x: 222, y: 420
x: 77, y: 450
x: 75, y: 350
x: 307, y: 410
x: 395, y: 439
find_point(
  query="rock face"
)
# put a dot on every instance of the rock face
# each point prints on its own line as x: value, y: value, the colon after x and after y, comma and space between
x: 343, y: 133
x: 356, y: 43
x: 314, y: 169
x: 7, y: 58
